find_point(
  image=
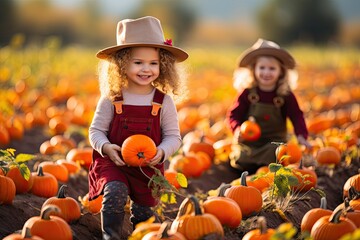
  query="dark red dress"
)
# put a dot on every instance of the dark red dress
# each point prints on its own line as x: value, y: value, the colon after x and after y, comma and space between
x: 128, y: 120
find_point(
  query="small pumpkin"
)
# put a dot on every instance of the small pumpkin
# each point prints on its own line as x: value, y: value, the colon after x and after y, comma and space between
x: 262, y: 232
x: 311, y: 216
x: 93, y: 206
x: 353, y: 181
x: 288, y: 153
x: 189, y: 165
x: 45, y: 184
x: 80, y: 155
x: 69, y: 207
x: 250, y: 130
x: 171, y: 176
x: 196, y: 225
x: 164, y: 233
x: 200, y: 146
x: 137, y: 149
x: 332, y: 227
x: 7, y: 190
x: 49, y: 227
x: 307, y: 178
x: 72, y: 167
x: 248, y: 198
x: 225, y: 209
x: 59, y: 171
x: 24, y: 235
x: 328, y: 155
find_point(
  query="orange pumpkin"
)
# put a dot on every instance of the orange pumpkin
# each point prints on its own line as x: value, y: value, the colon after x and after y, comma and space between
x: 307, y: 178
x: 59, y: 171
x: 69, y: 207
x: 72, y: 167
x: 7, y: 190
x: 189, y: 165
x: 22, y: 185
x: 262, y: 232
x: 137, y: 149
x: 248, y: 198
x: 288, y: 153
x: 163, y: 233
x: 93, y: 206
x: 171, y: 175
x: 80, y: 155
x: 311, y: 216
x: 24, y: 235
x: 328, y: 155
x: 332, y: 227
x: 353, y: 181
x: 49, y: 227
x: 225, y: 209
x: 200, y: 146
x: 45, y: 184
x: 196, y: 225
x: 250, y: 130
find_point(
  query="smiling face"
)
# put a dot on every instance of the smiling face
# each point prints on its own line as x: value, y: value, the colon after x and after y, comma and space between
x: 267, y: 72
x: 143, y: 69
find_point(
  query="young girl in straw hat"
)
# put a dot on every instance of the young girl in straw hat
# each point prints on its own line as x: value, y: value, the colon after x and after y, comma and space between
x: 263, y: 78
x: 137, y: 75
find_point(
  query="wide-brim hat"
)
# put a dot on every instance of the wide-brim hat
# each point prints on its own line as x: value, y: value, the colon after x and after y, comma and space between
x: 266, y: 48
x: 142, y: 32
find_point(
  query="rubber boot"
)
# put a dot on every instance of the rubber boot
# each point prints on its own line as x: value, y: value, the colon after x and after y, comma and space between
x: 112, y: 225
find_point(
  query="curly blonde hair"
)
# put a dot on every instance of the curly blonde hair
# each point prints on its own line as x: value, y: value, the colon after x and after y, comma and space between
x: 113, y: 78
x: 245, y: 78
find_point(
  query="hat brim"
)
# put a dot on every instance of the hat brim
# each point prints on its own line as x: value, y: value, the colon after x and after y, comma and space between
x: 249, y: 56
x: 178, y: 53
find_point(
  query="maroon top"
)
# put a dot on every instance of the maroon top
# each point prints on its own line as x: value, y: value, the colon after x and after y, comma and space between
x: 132, y: 120
x: 238, y: 112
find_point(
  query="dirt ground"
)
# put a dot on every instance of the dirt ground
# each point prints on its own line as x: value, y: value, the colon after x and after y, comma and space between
x: 12, y: 217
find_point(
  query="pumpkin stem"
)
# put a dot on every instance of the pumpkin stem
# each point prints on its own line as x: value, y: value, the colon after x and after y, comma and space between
x: 47, y: 210
x: 185, y: 208
x: 40, y: 172
x: 353, y: 193
x: 243, y: 178
x: 196, y: 204
x: 323, y: 203
x: 262, y: 225
x: 26, y: 233
x: 163, y: 231
x: 223, y: 189
x: 61, y: 193
x: 140, y: 155
x: 335, y: 216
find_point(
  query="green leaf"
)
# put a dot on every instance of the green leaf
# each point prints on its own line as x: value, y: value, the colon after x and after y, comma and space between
x: 292, y: 180
x: 25, y: 171
x: 282, y: 185
x: 182, y: 180
x: 274, y: 167
x: 22, y: 157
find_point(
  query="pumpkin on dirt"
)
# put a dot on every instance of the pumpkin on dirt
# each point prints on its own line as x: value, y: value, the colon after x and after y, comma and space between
x: 332, y: 227
x: 163, y: 233
x: 189, y: 165
x: 250, y: 130
x: 83, y: 156
x: 137, y: 149
x: 49, y: 227
x: 24, y: 235
x: 311, y: 216
x: 288, y: 153
x: 196, y: 224
x: 328, y: 155
x: 72, y: 167
x: 248, y: 198
x: 59, y: 171
x: 69, y: 207
x: 44, y: 185
x: 261, y: 232
x: 225, y: 209
x: 353, y: 181
x: 307, y: 178
x: 22, y: 185
x: 7, y: 190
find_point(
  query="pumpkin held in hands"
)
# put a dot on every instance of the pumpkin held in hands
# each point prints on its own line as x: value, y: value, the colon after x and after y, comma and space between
x: 137, y: 149
x: 250, y: 130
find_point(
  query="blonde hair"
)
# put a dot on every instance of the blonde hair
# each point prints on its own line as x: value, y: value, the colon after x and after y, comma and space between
x: 245, y: 78
x: 113, y: 78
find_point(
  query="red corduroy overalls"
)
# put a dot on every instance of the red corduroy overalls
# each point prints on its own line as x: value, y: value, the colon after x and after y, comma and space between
x: 128, y: 120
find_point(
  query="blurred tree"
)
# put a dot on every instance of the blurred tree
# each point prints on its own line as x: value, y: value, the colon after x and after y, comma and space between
x: 176, y: 17
x: 314, y: 21
x: 7, y: 21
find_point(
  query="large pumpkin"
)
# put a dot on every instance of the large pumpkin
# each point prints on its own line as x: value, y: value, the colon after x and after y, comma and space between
x: 22, y: 185
x: 69, y: 207
x: 196, y: 224
x: 225, y: 209
x: 248, y: 198
x: 332, y: 227
x: 137, y: 149
x: 49, y: 227
x: 7, y: 190
x: 313, y: 215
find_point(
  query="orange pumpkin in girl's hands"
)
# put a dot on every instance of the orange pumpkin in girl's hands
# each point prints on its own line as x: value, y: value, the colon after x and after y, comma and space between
x: 250, y: 130
x: 137, y: 149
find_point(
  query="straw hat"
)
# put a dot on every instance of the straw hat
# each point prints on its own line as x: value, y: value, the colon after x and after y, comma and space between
x: 262, y: 48
x: 141, y: 32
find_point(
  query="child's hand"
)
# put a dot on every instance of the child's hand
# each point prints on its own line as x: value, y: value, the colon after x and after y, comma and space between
x: 112, y: 151
x: 157, y: 158
x: 237, y: 136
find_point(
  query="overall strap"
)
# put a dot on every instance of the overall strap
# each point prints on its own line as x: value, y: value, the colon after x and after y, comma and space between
x: 118, y: 102
x: 157, y: 102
